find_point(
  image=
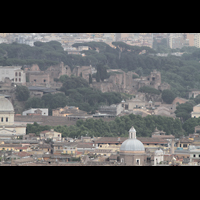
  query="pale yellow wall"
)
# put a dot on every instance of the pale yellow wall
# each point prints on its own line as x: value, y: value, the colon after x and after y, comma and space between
x: 10, y: 119
x: 196, y: 115
x: 133, y: 104
x: 196, y: 109
x: 20, y: 130
x: 112, y: 147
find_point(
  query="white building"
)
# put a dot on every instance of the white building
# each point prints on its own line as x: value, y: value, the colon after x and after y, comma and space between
x: 55, y: 136
x: 14, y: 73
x: 197, y: 40
x: 158, y: 156
x: 8, y: 128
x: 41, y: 111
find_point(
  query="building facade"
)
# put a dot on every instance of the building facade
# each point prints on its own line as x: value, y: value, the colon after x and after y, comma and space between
x: 132, y: 151
x: 14, y: 73
x: 196, y: 111
x: 197, y: 40
x: 8, y: 128
x: 36, y: 111
x: 55, y: 136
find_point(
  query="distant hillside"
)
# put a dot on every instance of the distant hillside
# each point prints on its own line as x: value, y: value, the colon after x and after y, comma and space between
x: 182, y: 73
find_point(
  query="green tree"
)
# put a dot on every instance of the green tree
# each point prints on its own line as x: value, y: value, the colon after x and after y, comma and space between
x: 63, y: 78
x: 90, y: 79
x: 22, y: 93
x: 98, y: 76
x: 149, y: 90
x: 184, y: 111
x: 168, y: 96
x: 34, y: 102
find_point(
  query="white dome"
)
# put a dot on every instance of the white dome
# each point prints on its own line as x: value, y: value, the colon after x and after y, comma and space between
x: 132, y: 145
x: 5, y: 105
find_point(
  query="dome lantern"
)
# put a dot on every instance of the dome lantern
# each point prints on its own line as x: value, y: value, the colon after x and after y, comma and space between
x: 132, y: 133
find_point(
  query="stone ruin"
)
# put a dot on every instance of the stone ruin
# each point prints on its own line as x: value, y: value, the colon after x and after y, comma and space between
x: 119, y: 81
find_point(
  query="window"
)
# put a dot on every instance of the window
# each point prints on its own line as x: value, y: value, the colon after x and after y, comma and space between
x: 138, y: 161
x: 2, y: 119
x: 44, y: 80
x: 194, y: 155
x: 15, y: 73
x: 15, y: 79
x: 19, y: 73
x: 35, y: 80
x: 6, y: 119
x: 184, y: 145
x: 19, y: 79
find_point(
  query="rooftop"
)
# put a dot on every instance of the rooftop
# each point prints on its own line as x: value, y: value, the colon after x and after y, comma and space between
x: 120, y: 140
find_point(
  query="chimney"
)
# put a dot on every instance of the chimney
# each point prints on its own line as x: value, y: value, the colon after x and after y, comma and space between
x: 118, y: 139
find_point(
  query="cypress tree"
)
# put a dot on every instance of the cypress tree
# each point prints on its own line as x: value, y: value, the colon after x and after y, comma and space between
x: 90, y: 79
x: 98, y: 76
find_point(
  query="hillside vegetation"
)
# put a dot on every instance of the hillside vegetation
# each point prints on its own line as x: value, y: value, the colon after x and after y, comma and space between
x: 182, y: 73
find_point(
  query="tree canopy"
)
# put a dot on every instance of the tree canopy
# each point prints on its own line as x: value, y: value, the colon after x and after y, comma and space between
x: 22, y: 93
x: 118, y: 127
x: 168, y: 96
x: 149, y: 90
x: 182, y: 73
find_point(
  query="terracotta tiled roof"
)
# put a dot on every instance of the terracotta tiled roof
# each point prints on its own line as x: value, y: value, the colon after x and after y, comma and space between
x: 185, y: 140
x: 21, y: 154
x: 152, y: 140
x: 78, y: 152
x: 110, y: 140
x: 84, y: 145
x: 46, y: 131
x: 25, y: 147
